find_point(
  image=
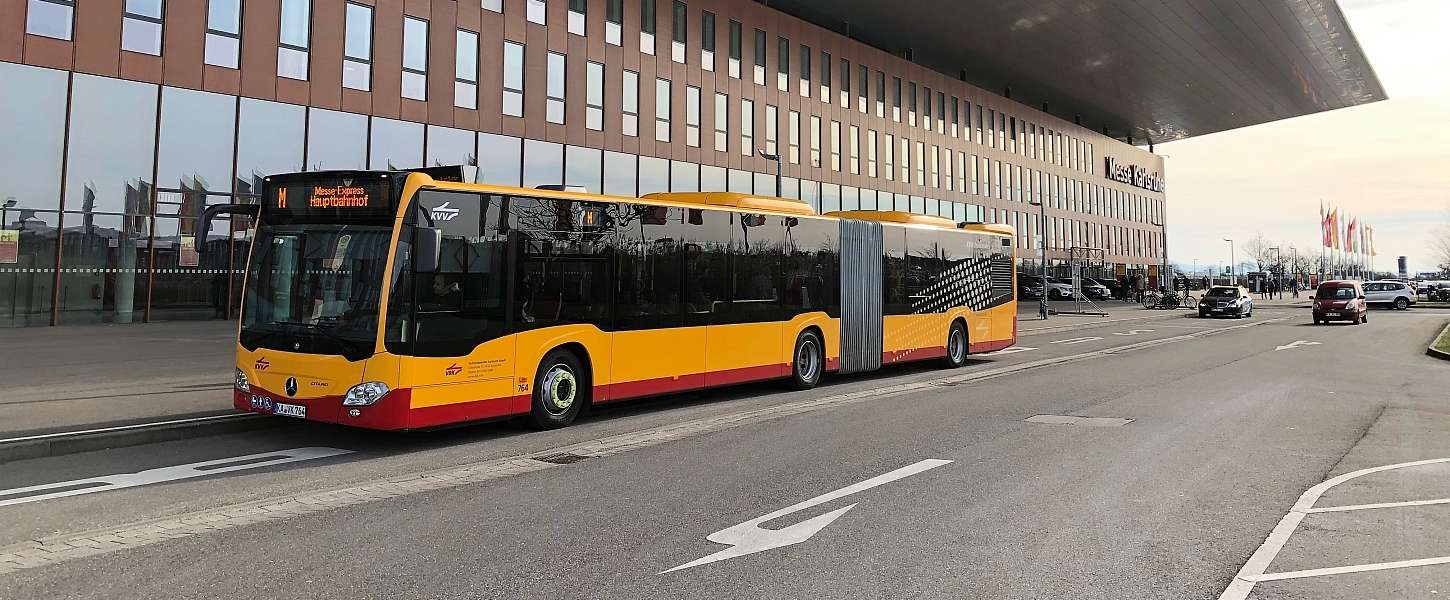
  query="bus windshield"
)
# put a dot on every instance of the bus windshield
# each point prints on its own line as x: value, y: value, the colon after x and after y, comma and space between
x: 315, y: 288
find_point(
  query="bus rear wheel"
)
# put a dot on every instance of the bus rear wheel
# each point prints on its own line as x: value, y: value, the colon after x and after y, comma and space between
x: 956, y: 345
x: 560, y: 390
x: 808, y: 361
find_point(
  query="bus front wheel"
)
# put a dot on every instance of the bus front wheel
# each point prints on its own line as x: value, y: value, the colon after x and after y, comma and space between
x: 560, y: 390
x: 807, y: 361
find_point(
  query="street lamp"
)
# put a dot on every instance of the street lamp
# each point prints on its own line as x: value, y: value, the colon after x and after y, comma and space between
x: 1042, y: 244
x: 1231, y: 266
x: 775, y: 157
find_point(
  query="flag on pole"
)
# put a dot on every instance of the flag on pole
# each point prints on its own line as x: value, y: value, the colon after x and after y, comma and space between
x: 1349, y: 237
x: 1334, y: 229
x: 1372, y: 251
x: 1325, y: 227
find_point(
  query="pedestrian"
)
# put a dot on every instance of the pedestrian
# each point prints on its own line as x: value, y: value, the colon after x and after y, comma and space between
x: 1294, y: 287
x: 1138, y: 283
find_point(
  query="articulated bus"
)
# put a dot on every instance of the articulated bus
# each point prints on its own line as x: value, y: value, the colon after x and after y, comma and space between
x: 406, y: 300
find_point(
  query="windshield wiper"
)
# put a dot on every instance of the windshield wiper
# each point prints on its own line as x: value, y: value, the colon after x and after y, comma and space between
x: 325, y: 331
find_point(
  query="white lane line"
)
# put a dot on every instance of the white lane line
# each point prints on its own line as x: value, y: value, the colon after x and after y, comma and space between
x: 749, y: 537
x: 1378, y: 505
x: 1254, y: 568
x: 1071, y: 341
x: 1133, y: 332
x: 76, y: 487
x: 1399, y: 564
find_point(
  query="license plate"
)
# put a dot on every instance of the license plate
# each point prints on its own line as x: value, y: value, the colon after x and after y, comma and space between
x: 1218, y: 310
x: 1331, y: 314
x: 291, y: 410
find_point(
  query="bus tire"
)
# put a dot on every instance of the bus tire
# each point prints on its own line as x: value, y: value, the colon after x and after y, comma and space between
x: 808, y: 361
x: 561, y: 389
x: 957, y: 347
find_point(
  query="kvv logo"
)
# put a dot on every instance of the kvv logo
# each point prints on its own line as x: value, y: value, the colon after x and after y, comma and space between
x: 444, y: 212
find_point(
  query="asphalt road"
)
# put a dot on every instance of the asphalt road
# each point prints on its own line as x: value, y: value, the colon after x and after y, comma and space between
x: 1201, y: 435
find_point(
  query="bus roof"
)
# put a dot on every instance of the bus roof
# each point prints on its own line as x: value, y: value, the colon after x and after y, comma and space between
x: 730, y: 200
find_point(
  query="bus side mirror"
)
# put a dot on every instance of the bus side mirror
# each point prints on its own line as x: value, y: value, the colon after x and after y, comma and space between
x: 211, y: 212
x: 428, y: 247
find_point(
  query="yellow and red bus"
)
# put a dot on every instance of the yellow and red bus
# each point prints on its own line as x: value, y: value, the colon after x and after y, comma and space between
x: 401, y: 300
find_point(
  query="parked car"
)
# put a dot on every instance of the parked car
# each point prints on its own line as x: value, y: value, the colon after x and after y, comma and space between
x: 1058, y: 289
x: 1226, y: 300
x: 1389, y: 293
x: 1340, y: 301
x: 1093, y: 289
x: 1029, y: 286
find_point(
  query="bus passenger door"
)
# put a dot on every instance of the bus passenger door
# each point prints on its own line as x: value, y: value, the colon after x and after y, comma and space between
x: 658, y: 345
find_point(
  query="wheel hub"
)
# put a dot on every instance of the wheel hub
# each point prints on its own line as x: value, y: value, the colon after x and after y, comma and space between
x: 560, y: 389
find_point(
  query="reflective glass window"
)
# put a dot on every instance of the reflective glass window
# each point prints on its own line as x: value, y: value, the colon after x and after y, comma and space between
x: 270, y: 137
x: 50, y: 18
x: 554, y: 89
x: 98, y: 178
x: 336, y: 140
x: 223, y: 33
x: 619, y: 174
x: 415, y: 58
x: 141, y: 27
x: 713, y: 179
x: 684, y: 176
x: 662, y: 110
x: 584, y: 166
x: 500, y: 159
x: 294, y: 38
x: 513, y: 79
x: 465, y: 70
x: 594, y: 96
x: 32, y: 115
x: 396, y: 144
x: 654, y: 175
x: 358, y: 48
x: 543, y: 163
x: 194, y: 151
x: 448, y: 146
x: 629, y: 81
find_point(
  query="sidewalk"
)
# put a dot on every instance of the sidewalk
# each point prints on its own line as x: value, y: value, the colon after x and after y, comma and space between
x: 75, y: 377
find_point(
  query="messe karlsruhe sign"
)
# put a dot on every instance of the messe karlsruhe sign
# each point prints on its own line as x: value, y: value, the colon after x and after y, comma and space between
x: 1133, y: 175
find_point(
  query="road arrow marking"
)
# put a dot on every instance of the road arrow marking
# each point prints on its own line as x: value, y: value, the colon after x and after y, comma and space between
x: 1072, y: 341
x: 749, y: 537
x: 1012, y: 350
x: 1134, y: 332
x: 1296, y: 345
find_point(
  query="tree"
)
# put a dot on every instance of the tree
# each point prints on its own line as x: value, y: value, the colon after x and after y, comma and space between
x: 1440, y: 246
x: 1260, y: 250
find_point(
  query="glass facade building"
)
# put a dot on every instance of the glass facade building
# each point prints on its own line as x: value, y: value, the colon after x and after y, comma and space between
x: 114, y: 145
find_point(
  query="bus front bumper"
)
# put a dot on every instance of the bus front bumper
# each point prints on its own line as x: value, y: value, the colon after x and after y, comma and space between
x: 389, y: 413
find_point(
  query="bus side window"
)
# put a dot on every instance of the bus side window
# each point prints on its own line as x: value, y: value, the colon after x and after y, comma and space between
x: 893, y: 271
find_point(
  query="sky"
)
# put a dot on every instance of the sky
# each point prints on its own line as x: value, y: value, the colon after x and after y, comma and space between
x: 1387, y: 163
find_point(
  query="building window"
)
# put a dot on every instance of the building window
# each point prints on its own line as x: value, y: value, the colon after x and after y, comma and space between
x: 815, y: 141
x: 223, y: 45
x: 465, y: 82
x: 692, y: 116
x: 956, y: 114
x: 991, y: 128
x: 707, y: 41
x: 946, y: 166
x: 537, y: 12
x: 905, y: 160
x: 415, y: 58
x: 772, y: 128
x: 759, y: 57
x: 926, y: 109
x: 935, y: 168
x: 880, y: 94
x: 613, y: 21
x: 835, y: 145
x: 825, y: 76
x: 577, y: 10
x: 647, y: 26
x: 357, y: 47
x: 871, y: 153
x: 782, y: 64
x: 979, y: 125
x: 853, y: 148
x: 747, y: 127
x: 975, y: 190
x: 630, y: 103
x: 493, y: 5
x: 896, y: 99
x: 846, y: 83
x: 911, y: 103
x: 141, y: 26
x: 889, y: 160
x: 735, y: 50
x: 862, y: 79
x: 594, y: 96
x: 793, y: 135
x: 722, y: 122
x: 921, y: 164
x: 513, y: 79
x: 962, y: 172
x: 941, y: 111
x: 662, y: 110
x: 554, y: 90
x: 805, y: 83
x: 293, y: 40
x: 679, y: 23
x: 50, y: 18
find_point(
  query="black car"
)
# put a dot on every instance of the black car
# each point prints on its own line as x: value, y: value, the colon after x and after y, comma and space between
x: 1227, y: 301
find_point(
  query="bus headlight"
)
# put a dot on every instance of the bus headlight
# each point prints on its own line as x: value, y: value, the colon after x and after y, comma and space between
x: 241, y: 382
x: 365, y: 394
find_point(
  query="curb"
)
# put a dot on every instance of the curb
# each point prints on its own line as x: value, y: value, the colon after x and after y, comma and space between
x: 1088, y: 325
x: 70, y: 442
x: 1440, y: 354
